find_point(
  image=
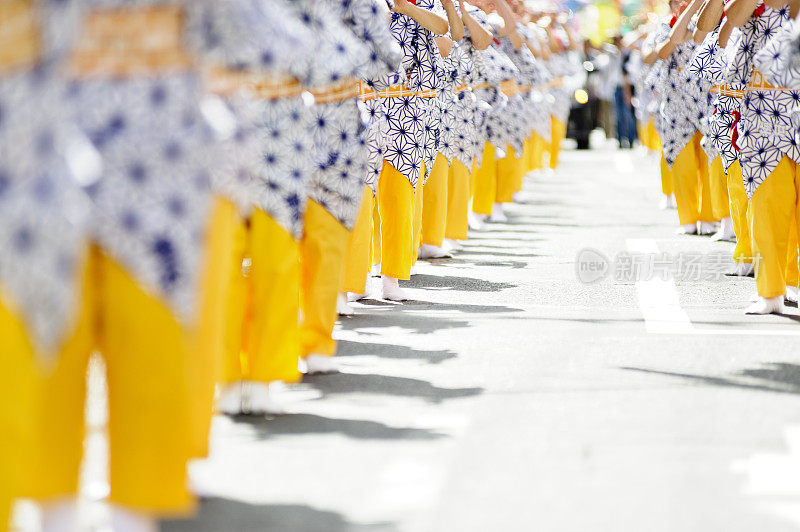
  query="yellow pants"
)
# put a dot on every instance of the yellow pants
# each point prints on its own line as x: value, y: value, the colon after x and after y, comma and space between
x: 647, y: 135
x: 208, y: 368
x: 691, y: 184
x: 485, y: 192
x: 20, y: 396
x: 558, y: 132
x: 537, y: 151
x: 773, y: 218
x: 507, y: 170
x: 322, y: 253
x: 473, y: 178
x: 146, y: 354
x: 262, y: 329
x: 653, y: 138
x: 376, y: 232
x: 396, y: 208
x: 519, y: 176
x: 358, y: 258
x: 718, y: 182
x: 706, y: 201
x: 793, y: 258
x: 457, y: 201
x: 416, y: 224
x: 5, y: 512
x: 527, y: 154
x: 743, y: 252
x: 435, y: 201
x: 666, y: 178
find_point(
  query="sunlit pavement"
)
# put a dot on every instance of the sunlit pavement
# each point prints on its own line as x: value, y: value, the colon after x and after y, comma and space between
x: 511, y: 396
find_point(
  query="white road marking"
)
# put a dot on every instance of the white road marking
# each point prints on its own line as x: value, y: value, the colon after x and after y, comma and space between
x: 774, y: 478
x: 663, y: 314
x: 658, y: 296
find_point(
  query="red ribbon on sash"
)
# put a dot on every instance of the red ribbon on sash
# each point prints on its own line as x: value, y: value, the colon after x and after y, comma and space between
x: 734, y: 130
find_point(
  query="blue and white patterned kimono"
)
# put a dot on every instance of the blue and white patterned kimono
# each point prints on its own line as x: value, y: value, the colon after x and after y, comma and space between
x: 710, y: 63
x: 403, y: 130
x: 339, y: 152
x: 372, y: 23
x: 765, y: 130
x: 684, y: 105
x: 538, y: 113
x: 44, y: 215
x: 151, y: 203
x: 638, y: 71
x: 478, y: 71
x: 520, y: 112
x: 559, y: 97
x: 655, y: 82
x: 700, y: 100
x: 265, y: 150
x: 428, y: 52
x: 492, y: 67
x: 457, y: 109
x: 779, y: 61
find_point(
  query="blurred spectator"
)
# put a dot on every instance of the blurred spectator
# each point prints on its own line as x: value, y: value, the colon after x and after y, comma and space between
x: 623, y: 94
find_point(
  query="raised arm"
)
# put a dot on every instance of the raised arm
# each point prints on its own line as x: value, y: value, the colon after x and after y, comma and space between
x: 480, y: 36
x: 725, y: 30
x: 680, y: 32
x: 453, y: 20
x: 509, y: 28
x: 574, y: 44
x: 738, y: 12
x: 710, y: 15
x: 428, y: 20
x: 444, y: 44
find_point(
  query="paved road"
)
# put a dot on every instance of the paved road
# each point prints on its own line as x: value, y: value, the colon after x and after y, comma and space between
x: 509, y: 396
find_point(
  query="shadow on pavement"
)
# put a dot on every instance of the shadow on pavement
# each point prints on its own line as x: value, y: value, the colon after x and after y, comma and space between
x: 452, y: 282
x: 458, y: 307
x: 395, y: 317
x: 349, y: 348
x: 359, y: 429
x: 778, y: 377
x: 538, y: 222
x: 492, y: 253
x: 224, y: 515
x: 513, y: 264
x: 408, y: 316
x: 498, y: 232
x: 352, y: 383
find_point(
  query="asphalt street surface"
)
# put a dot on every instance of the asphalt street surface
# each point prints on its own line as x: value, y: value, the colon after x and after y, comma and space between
x: 511, y: 396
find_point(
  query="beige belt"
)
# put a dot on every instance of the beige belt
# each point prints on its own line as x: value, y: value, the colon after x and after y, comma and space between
x: 224, y: 82
x: 757, y: 82
x: 19, y: 36
x: 131, y: 41
x: 395, y: 91
x: 725, y: 90
x: 336, y: 92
